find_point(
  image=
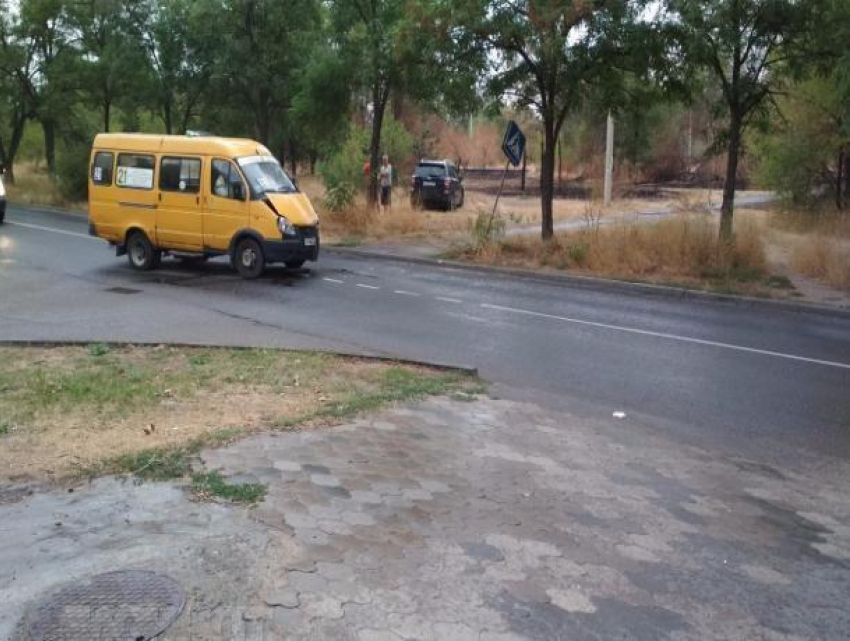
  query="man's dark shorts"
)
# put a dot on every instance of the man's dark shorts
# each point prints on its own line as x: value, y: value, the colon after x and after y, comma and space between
x: 385, y: 195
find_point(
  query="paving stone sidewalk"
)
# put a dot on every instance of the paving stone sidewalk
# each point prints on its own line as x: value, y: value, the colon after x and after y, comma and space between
x: 449, y: 520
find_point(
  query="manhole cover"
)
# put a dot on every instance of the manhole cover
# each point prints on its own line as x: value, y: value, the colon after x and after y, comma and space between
x: 130, y: 605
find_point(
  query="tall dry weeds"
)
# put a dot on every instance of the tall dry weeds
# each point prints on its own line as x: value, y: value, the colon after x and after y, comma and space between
x: 683, y: 248
x: 826, y: 259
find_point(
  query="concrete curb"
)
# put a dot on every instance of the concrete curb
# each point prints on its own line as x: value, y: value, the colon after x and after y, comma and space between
x: 445, y: 367
x: 600, y: 284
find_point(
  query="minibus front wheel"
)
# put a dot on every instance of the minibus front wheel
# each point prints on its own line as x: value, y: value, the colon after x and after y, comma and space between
x: 141, y: 253
x: 248, y: 258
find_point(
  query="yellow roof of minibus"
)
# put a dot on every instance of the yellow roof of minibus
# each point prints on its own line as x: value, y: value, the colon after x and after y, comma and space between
x: 203, y: 145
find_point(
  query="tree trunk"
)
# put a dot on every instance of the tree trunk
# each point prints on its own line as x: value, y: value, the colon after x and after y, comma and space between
x: 9, y: 154
x: 846, y: 175
x: 560, y: 157
x: 547, y: 180
x: 313, y: 160
x: 379, y: 103
x: 167, y: 118
x: 728, y: 207
x: 107, y: 108
x: 49, y: 128
x: 839, y: 180
x: 262, y: 124
x: 293, y: 158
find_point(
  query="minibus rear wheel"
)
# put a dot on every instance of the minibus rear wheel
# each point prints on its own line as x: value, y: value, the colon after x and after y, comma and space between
x: 248, y: 259
x: 141, y: 253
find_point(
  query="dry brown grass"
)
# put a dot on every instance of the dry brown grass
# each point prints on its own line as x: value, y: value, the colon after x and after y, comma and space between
x: 818, y: 243
x: 72, y: 408
x: 34, y: 186
x: 681, y: 250
x: 824, y: 258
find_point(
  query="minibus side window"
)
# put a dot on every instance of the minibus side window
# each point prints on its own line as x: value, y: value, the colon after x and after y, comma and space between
x: 226, y: 180
x: 101, y: 168
x: 135, y: 171
x: 180, y: 174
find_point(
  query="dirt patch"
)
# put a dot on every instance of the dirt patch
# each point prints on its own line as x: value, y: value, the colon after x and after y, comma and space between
x: 68, y: 409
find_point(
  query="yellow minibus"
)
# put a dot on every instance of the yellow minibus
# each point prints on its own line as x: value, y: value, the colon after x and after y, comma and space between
x: 198, y: 197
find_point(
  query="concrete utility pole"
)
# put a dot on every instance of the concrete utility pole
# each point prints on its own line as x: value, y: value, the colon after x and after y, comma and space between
x: 609, y: 161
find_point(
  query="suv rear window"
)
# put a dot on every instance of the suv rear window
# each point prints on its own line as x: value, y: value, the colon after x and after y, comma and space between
x: 431, y: 171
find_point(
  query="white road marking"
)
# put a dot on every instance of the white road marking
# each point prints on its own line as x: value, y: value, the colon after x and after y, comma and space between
x: 334, y: 280
x: 55, y: 231
x: 401, y: 292
x: 446, y: 299
x: 672, y: 337
x: 367, y: 286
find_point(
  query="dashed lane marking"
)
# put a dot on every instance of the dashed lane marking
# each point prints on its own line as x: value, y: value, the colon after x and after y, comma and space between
x: 446, y: 299
x: 402, y: 292
x: 362, y: 286
x: 334, y: 280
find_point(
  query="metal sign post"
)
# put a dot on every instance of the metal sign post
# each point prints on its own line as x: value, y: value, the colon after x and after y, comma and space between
x: 513, y: 146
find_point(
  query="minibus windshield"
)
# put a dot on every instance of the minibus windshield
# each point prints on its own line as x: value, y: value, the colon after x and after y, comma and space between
x: 266, y: 176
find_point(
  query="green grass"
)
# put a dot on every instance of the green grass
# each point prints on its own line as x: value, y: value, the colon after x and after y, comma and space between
x: 104, y: 379
x: 209, y: 484
x: 393, y: 385
x: 159, y: 463
x: 43, y: 391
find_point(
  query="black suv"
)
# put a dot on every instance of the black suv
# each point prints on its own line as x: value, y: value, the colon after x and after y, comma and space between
x: 436, y: 183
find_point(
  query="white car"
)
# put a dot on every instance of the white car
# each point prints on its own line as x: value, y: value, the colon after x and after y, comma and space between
x: 2, y: 199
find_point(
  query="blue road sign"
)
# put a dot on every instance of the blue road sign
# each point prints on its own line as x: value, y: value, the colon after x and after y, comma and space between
x: 513, y: 144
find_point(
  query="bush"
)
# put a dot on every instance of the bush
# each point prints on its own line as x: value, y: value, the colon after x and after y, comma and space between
x: 798, y: 159
x: 487, y: 230
x: 72, y: 163
x: 340, y: 197
x: 346, y: 165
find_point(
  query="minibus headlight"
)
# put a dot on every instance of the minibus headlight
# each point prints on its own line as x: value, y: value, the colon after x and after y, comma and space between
x: 286, y: 228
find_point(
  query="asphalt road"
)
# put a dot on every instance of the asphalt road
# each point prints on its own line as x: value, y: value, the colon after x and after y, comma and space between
x: 765, y: 383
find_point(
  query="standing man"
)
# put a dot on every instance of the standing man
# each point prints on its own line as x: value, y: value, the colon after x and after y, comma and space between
x: 386, y: 180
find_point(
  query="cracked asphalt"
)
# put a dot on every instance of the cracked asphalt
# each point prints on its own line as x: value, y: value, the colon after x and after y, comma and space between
x: 451, y: 520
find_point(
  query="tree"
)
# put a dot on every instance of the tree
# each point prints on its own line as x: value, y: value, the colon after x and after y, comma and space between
x: 111, y: 61
x: 546, y: 55
x: 805, y: 150
x: 745, y: 45
x: 322, y: 102
x: 178, y: 69
x: 16, y: 73
x: 50, y: 89
x: 406, y: 48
